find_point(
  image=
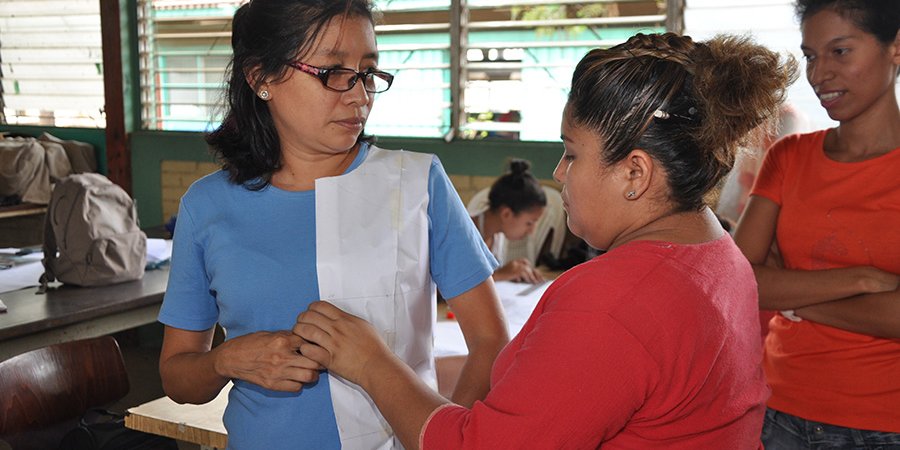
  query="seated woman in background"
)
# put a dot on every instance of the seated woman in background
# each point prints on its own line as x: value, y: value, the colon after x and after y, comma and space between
x: 655, y: 343
x: 515, y: 203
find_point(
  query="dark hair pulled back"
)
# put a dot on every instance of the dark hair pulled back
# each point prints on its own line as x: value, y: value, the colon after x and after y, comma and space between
x: 689, y: 105
x: 518, y: 189
x: 266, y: 35
x: 880, y: 18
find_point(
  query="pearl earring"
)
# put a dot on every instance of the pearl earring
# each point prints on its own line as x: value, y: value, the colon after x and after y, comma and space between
x: 263, y: 94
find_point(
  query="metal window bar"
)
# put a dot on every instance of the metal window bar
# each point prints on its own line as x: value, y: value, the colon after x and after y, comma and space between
x: 51, y: 70
x: 215, y: 29
x: 148, y: 68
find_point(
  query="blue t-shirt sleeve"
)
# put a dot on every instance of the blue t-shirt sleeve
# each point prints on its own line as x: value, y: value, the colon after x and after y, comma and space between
x: 188, y: 303
x: 459, y: 258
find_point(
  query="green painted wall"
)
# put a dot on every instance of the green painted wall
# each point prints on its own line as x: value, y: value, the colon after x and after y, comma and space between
x: 148, y: 150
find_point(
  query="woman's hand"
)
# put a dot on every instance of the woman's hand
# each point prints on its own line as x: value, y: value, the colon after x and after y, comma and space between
x: 873, y: 280
x: 351, y: 348
x: 519, y: 270
x: 343, y: 343
x: 269, y: 359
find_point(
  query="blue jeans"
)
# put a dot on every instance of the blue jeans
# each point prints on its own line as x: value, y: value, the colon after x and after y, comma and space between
x: 782, y: 431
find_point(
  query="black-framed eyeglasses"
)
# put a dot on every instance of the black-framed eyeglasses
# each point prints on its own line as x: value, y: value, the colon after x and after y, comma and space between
x: 342, y: 79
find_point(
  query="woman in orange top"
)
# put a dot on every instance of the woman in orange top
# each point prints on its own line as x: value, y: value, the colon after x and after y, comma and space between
x: 830, y: 201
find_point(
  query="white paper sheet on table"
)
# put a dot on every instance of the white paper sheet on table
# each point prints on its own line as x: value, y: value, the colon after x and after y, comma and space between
x: 518, y: 300
x: 25, y: 273
x: 28, y: 269
x: 158, y: 250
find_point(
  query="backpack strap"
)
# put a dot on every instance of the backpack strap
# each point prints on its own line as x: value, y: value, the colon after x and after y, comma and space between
x: 50, y: 248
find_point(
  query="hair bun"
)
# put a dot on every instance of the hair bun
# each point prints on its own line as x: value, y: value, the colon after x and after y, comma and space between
x: 519, y: 166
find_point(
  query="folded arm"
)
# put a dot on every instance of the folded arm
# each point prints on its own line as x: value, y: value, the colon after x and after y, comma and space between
x: 871, y: 314
x: 781, y: 289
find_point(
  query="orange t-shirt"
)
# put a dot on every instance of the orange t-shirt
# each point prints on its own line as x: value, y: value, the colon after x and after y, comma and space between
x: 833, y: 215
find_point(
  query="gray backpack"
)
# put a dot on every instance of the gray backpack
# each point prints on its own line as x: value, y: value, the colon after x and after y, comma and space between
x: 91, y: 234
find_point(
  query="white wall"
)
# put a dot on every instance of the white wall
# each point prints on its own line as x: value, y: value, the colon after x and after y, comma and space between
x: 771, y: 23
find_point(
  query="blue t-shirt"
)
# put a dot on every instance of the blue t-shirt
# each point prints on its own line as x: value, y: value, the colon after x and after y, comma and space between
x: 247, y: 260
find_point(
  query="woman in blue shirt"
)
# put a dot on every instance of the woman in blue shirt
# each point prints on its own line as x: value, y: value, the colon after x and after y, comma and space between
x: 257, y: 242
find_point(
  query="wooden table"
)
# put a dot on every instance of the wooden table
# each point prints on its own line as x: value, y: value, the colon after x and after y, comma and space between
x: 68, y: 313
x: 197, y: 424
x: 22, y: 209
x: 22, y: 225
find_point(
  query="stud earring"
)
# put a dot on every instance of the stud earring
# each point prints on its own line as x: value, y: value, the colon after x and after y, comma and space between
x: 630, y: 194
x: 263, y: 94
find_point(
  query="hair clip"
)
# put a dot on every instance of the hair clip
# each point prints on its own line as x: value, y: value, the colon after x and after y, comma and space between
x: 663, y: 115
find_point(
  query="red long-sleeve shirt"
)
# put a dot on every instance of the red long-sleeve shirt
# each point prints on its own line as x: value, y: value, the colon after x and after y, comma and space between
x: 652, y: 345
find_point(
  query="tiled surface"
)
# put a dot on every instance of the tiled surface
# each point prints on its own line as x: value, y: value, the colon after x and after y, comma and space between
x: 177, y: 176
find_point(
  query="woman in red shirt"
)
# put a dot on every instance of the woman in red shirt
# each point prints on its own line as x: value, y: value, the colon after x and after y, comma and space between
x: 655, y: 343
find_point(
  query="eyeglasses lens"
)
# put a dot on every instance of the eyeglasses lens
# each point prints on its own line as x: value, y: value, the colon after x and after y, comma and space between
x: 344, y: 80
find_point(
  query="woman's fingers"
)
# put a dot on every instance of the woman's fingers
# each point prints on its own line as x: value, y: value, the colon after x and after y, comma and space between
x: 530, y: 275
x: 294, y: 380
x: 538, y: 276
x: 526, y: 273
x: 268, y: 359
x: 327, y: 310
x: 309, y: 328
x: 316, y: 353
x: 341, y: 342
x: 316, y: 328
